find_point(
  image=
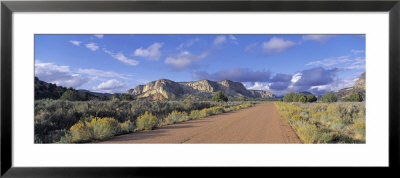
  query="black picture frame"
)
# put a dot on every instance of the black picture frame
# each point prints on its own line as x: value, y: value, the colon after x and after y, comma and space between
x: 8, y: 7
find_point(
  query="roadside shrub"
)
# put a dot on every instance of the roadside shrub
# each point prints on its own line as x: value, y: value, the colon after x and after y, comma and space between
x: 80, y: 132
x: 104, y: 128
x: 195, y: 114
x: 96, y: 129
x: 127, y: 126
x: 175, y: 117
x: 308, y: 133
x: 326, y: 123
x: 147, y: 121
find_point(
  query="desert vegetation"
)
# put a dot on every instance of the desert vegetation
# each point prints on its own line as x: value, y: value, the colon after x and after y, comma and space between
x: 63, y: 121
x: 340, y: 122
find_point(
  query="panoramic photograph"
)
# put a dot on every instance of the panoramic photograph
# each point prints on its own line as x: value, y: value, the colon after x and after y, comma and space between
x: 200, y: 89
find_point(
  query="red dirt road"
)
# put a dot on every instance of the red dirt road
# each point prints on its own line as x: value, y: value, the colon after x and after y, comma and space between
x: 259, y: 124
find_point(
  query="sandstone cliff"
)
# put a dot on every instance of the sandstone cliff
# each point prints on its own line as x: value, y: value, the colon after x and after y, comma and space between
x: 167, y: 89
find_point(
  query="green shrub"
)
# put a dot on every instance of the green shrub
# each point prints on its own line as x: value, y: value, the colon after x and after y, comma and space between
x: 104, y: 128
x: 219, y: 96
x: 195, y: 114
x: 311, y: 98
x: 147, y: 121
x: 80, y: 132
x: 289, y: 97
x: 126, y: 97
x: 127, y: 126
x: 70, y: 95
x: 175, y: 117
x: 354, y: 97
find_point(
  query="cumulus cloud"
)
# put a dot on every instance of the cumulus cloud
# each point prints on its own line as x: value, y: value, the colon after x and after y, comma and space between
x: 315, y: 77
x: 110, y: 86
x: 184, y: 59
x: 76, y: 43
x: 99, y: 36
x: 318, y: 38
x: 59, y: 75
x: 235, y: 74
x: 259, y: 86
x: 277, y: 45
x: 121, y: 57
x: 152, y: 52
x: 92, y: 46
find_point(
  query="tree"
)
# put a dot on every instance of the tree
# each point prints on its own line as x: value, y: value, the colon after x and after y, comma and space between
x: 299, y: 97
x: 70, y: 95
x: 302, y: 99
x: 311, y: 98
x: 115, y: 96
x: 354, y: 97
x: 126, y: 97
x: 289, y: 97
x: 219, y: 96
x: 329, y: 97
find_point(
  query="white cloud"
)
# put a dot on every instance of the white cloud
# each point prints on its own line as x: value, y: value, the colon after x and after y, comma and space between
x: 296, y: 77
x: 187, y: 43
x: 110, y: 86
x: 259, y: 86
x: 184, y: 59
x: 59, y: 75
x: 277, y: 45
x: 101, y: 73
x: 76, y: 43
x: 318, y: 38
x: 121, y: 57
x: 342, y: 62
x: 152, y: 52
x: 99, y: 36
x: 219, y: 40
x: 92, y: 46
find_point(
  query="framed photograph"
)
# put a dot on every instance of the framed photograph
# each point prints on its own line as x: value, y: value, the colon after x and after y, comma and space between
x: 113, y: 88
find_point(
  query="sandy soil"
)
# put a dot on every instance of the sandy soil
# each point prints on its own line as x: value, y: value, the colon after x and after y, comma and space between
x: 259, y: 124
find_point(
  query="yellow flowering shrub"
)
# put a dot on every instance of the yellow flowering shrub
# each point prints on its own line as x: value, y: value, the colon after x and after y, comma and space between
x: 147, y: 121
x: 326, y: 122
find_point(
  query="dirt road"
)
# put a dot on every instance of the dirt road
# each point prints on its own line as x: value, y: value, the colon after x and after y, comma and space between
x: 259, y: 124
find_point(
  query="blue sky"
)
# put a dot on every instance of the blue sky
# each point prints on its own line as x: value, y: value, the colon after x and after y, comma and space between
x: 278, y: 63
